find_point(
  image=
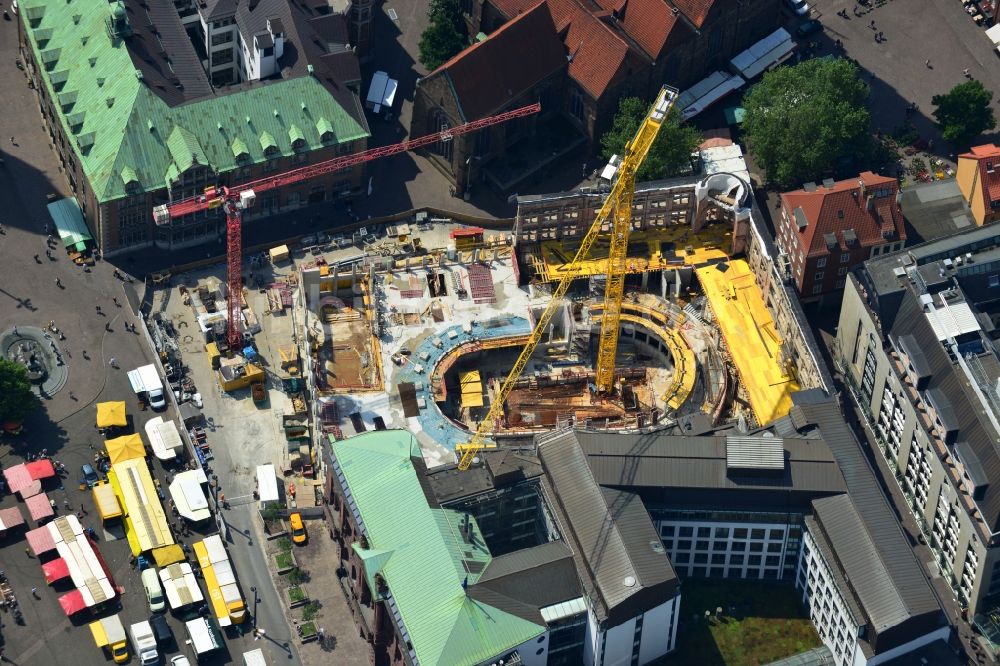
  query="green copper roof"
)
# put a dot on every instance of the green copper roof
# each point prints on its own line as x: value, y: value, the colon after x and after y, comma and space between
x: 423, y: 556
x: 185, y: 149
x: 118, y: 123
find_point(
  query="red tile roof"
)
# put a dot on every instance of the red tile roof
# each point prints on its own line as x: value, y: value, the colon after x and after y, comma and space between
x: 511, y: 8
x: 842, y: 206
x: 988, y: 157
x: 696, y: 10
x: 599, y: 56
x: 488, y: 75
x: 649, y: 22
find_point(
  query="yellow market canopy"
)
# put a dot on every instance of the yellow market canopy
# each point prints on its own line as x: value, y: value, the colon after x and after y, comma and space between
x: 125, y: 448
x: 167, y: 555
x: 111, y: 414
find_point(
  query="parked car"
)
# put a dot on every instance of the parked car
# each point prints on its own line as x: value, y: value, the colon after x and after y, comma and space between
x: 800, y: 7
x: 154, y: 592
x: 298, y: 528
x: 89, y: 475
x: 308, y: 240
x: 180, y: 660
x: 809, y: 27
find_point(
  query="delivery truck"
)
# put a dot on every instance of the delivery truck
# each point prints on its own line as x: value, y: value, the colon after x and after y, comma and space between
x: 144, y: 642
x: 145, y: 381
x: 109, y: 634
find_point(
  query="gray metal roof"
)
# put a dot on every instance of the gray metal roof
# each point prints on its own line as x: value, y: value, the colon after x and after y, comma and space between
x: 659, y: 461
x: 877, y: 517
x: 916, y: 355
x: 525, y: 581
x: 964, y: 411
x: 755, y: 452
x: 861, y: 562
x: 610, y: 530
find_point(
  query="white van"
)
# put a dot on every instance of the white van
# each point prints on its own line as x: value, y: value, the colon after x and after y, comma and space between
x: 154, y: 592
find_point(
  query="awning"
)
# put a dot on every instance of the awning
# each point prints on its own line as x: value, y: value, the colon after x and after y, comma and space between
x: 10, y: 518
x: 40, y: 469
x: 125, y: 448
x: 72, y: 603
x: 735, y: 115
x: 39, y: 507
x: 55, y: 570
x: 163, y: 438
x: 40, y: 540
x: 110, y: 414
x: 69, y: 223
x: 188, y: 496
x: 19, y: 480
x: 168, y: 555
x: 106, y: 501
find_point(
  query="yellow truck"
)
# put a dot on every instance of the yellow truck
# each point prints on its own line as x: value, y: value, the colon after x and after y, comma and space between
x: 109, y: 634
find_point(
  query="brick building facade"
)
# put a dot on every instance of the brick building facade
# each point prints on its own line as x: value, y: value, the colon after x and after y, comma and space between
x: 826, y: 230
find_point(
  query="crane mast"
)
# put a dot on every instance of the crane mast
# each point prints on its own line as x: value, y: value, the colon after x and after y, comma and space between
x: 234, y: 200
x: 618, y: 207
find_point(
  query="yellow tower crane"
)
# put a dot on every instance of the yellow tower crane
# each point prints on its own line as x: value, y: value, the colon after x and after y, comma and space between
x: 618, y: 209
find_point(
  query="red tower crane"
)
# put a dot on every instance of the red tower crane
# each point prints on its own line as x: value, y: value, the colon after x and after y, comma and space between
x: 235, y: 199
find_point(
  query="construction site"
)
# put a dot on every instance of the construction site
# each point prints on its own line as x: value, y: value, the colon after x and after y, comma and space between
x: 417, y: 324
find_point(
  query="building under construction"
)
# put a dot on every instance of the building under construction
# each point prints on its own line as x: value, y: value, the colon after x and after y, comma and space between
x: 438, y: 318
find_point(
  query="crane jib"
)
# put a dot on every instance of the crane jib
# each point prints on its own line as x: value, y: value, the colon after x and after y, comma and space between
x: 618, y: 207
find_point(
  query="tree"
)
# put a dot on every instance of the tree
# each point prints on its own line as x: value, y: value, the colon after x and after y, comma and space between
x: 964, y: 113
x: 444, y: 36
x: 801, y: 120
x: 669, y: 154
x: 16, y: 397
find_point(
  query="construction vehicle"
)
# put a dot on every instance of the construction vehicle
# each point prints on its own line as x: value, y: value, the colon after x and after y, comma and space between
x: 617, y: 209
x: 234, y: 200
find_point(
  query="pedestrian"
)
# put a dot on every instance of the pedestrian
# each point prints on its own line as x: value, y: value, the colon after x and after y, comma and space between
x: 881, y: 36
x: 27, y: 551
x: 83, y: 509
x: 98, y: 307
x: 872, y: 24
x: 115, y: 299
x: 66, y: 502
x: 113, y: 362
x: 34, y: 592
x: 927, y: 63
x: 12, y: 141
x: 15, y: 330
x: 48, y: 253
x: 107, y: 326
x: 37, y: 260
x: 965, y: 72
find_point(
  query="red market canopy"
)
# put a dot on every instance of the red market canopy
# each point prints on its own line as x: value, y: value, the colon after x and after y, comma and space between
x: 55, y: 570
x: 40, y: 540
x: 39, y: 507
x: 40, y: 469
x: 10, y: 518
x: 72, y: 602
x: 19, y: 479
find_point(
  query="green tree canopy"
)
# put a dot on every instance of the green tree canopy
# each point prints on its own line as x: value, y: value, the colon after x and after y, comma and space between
x: 16, y: 398
x: 444, y: 36
x: 964, y: 113
x: 670, y: 153
x: 801, y: 120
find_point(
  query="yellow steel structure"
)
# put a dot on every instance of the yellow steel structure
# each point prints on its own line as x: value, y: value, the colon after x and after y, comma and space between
x: 618, y: 209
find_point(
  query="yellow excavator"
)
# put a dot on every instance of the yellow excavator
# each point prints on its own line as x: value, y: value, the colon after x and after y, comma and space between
x: 617, y: 208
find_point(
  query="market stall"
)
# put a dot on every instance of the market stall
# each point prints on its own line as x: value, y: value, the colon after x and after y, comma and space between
x: 189, y: 497
x: 111, y: 415
x: 123, y: 448
x: 40, y: 507
x: 164, y: 438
